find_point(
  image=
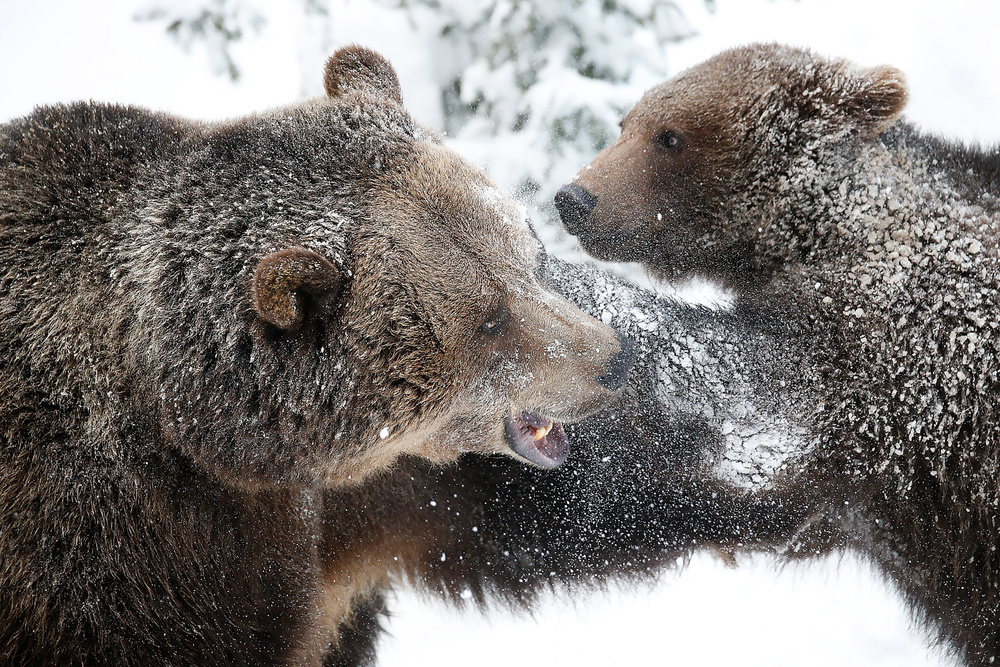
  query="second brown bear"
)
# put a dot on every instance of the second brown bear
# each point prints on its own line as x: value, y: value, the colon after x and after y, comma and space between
x: 787, y: 177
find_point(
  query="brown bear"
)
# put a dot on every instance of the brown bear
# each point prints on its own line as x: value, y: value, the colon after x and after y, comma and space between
x: 207, y: 326
x: 788, y: 178
x: 240, y: 359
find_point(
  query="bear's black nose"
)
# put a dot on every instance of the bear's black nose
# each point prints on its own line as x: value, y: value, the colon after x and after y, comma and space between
x: 574, y: 204
x: 619, y: 366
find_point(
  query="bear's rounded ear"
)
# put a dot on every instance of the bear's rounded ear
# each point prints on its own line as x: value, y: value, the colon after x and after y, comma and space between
x: 285, y: 280
x: 357, y: 69
x: 875, y: 98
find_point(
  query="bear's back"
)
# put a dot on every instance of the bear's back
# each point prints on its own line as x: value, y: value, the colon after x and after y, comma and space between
x: 67, y: 174
x: 65, y: 166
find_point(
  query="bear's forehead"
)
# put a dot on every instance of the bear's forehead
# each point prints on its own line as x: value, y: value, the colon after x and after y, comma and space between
x: 503, y: 207
x: 446, y: 197
x: 730, y: 81
x: 507, y: 226
x: 499, y: 228
x: 444, y: 213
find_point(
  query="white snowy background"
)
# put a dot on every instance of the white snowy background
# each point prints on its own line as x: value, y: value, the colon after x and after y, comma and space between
x: 833, y: 612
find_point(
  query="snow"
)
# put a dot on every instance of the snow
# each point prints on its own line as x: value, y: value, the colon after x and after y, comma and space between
x: 826, y: 613
x: 756, y: 452
x: 830, y: 614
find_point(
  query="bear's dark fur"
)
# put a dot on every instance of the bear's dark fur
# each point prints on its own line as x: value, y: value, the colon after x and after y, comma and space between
x: 785, y: 176
x: 236, y: 360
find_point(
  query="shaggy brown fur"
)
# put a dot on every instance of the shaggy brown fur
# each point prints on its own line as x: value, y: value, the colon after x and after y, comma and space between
x: 205, y: 327
x: 786, y: 176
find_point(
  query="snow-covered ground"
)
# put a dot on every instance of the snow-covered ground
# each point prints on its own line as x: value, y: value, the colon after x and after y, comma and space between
x: 828, y: 613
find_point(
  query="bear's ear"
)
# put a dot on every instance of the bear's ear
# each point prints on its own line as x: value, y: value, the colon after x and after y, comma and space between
x: 874, y: 98
x: 285, y: 280
x: 357, y: 69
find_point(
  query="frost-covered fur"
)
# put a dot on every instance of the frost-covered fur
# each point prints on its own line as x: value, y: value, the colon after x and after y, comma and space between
x: 145, y: 558
x: 789, y: 179
x: 636, y: 494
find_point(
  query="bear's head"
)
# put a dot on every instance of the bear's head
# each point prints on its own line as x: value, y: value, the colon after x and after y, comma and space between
x: 346, y: 290
x: 697, y: 172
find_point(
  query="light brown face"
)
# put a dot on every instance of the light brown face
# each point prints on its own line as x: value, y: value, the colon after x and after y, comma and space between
x: 398, y: 311
x: 509, y: 359
x: 652, y: 194
x: 689, y: 184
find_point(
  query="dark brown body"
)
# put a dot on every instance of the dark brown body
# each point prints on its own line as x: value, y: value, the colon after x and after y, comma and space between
x: 206, y: 328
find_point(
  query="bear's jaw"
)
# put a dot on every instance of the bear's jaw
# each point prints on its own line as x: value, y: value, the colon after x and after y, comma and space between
x: 536, y: 438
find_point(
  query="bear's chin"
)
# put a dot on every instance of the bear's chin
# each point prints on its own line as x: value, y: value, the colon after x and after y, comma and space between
x: 539, y: 440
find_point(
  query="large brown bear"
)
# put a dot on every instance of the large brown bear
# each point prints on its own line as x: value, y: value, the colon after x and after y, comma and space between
x: 787, y: 177
x: 238, y: 360
x: 206, y: 325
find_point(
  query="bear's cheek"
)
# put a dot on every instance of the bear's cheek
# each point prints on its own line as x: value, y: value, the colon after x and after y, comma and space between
x: 461, y: 431
x: 635, y: 201
x: 485, y: 394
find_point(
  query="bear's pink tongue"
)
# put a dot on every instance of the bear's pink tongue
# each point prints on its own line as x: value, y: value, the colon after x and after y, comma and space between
x: 538, y: 439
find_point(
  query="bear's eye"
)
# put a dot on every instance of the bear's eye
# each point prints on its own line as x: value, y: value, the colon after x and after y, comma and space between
x: 670, y: 140
x: 496, y: 321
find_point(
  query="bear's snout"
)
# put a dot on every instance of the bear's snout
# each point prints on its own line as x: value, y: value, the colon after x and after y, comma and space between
x: 575, y: 205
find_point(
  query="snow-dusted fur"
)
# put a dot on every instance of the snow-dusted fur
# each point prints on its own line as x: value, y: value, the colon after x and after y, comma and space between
x: 793, y: 184
x: 638, y: 492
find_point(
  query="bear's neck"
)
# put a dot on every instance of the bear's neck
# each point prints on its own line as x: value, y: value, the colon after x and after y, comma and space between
x: 825, y: 204
x: 858, y: 232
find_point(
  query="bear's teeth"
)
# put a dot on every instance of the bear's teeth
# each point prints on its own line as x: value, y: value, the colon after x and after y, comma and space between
x: 543, y: 431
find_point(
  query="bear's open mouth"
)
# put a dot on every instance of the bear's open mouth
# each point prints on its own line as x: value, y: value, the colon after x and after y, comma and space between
x: 538, y: 439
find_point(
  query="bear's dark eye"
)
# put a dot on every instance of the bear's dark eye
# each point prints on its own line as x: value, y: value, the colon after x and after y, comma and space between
x: 496, y: 321
x: 670, y: 140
